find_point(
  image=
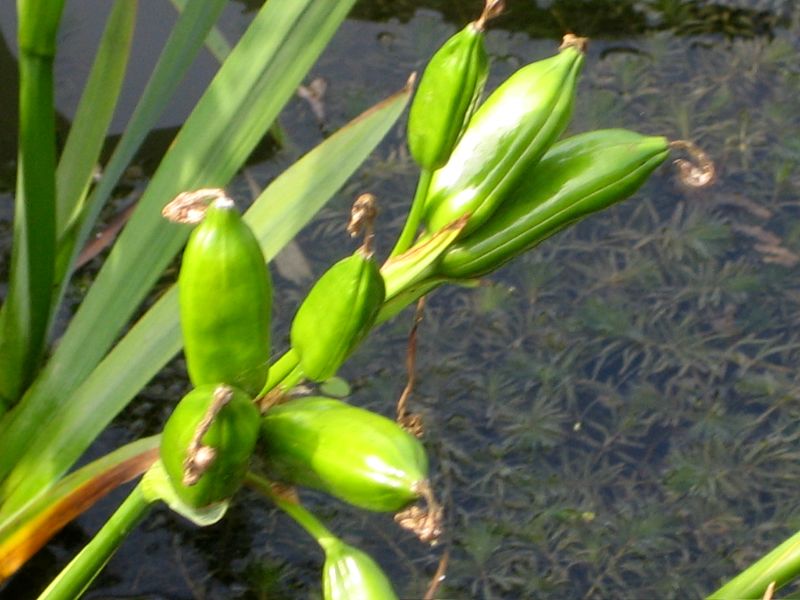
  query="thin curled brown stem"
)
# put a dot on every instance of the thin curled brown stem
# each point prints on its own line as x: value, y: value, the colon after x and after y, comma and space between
x: 438, y: 577
x: 411, y: 422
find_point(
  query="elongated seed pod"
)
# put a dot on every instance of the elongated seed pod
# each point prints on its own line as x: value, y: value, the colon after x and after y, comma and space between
x: 578, y: 176
x: 230, y: 438
x: 225, y: 298
x: 507, y: 135
x: 356, y: 455
x: 337, y: 313
x: 447, y: 95
x: 351, y: 574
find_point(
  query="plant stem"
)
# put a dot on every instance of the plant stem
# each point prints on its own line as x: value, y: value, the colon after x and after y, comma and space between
x: 280, y: 370
x: 415, y: 215
x: 81, y: 571
x: 26, y: 313
x: 292, y: 508
x: 780, y: 566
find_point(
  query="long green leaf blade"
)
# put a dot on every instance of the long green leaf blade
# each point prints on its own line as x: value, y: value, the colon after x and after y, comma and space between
x: 187, y: 38
x: 215, y: 41
x: 182, y: 47
x: 95, y: 110
x: 779, y: 566
x: 25, y: 314
x: 260, y: 75
x: 276, y: 216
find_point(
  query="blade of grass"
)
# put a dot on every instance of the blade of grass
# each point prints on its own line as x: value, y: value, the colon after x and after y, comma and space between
x: 244, y: 98
x: 27, y: 531
x: 25, y: 314
x: 215, y: 41
x: 277, y: 215
x: 182, y: 47
x: 93, y: 117
x: 781, y: 566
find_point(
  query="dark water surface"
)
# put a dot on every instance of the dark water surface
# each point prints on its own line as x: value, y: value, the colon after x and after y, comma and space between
x: 618, y: 414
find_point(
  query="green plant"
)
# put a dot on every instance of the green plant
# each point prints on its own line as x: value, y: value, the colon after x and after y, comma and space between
x: 54, y: 410
x: 31, y: 474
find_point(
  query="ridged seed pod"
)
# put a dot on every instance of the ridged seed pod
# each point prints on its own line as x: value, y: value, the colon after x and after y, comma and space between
x: 578, y: 176
x: 225, y: 296
x: 356, y: 455
x: 447, y: 94
x: 508, y: 134
x: 337, y: 313
x: 232, y: 436
x: 350, y: 574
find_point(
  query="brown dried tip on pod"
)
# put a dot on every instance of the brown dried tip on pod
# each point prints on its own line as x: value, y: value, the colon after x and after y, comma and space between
x: 491, y: 9
x: 573, y: 41
x: 342, y: 306
x: 362, y: 221
x: 697, y: 173
x: 425, y: 523
x: 190, y: 207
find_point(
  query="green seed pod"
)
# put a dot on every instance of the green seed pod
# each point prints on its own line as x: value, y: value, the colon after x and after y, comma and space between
x: 507, y: 135
x: 447, y: 95
x: 356, y: 455
x: 225, y: 302
x: 337, y: 313
x: 578, y: 176
x: 350, y: 574
x: 231, y: 436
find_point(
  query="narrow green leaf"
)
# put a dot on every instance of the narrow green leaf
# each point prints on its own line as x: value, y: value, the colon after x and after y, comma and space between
x: 95, y: 110
x: 277, y: 215
x: 215, y: 41
x: 780, y: 566
x: 260, y: 75
x: 182, y: 47
x: 25, y: 315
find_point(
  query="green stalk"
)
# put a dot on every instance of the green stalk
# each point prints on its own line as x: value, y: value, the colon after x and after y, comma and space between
x: 280, y: 370
x: 26, y: 313
x: 781, y: 566
x: 415, y: 214
x: 295, y: 510
x: 82, y: 570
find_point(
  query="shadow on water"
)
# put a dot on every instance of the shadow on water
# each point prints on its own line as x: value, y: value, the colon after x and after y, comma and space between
x: 616, y: 415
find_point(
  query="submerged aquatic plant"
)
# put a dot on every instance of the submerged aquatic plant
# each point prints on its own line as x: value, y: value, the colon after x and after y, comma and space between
x: 622, y: 421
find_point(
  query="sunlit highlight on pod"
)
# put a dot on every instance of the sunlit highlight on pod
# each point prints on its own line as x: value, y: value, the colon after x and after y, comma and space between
x: 578, y: 176
x: 358, y: 456
x: 507, y: 135
x: 350, y: 574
